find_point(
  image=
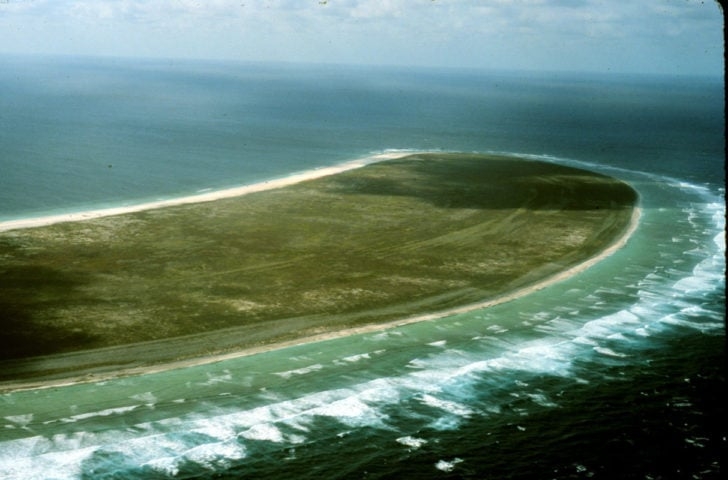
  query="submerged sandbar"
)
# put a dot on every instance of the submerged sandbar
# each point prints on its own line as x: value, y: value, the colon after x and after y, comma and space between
x: 407, y: 239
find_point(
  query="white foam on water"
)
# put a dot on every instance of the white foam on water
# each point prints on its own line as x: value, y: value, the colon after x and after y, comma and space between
x: 263, y: 431
x: 642, y: 331
x: 618, y: 336
x: 351, y: 412
x: 585, y: 341
x: 496, y: 329
x: 227, y: 424
x: 554, y: 325
x: 680, y: 320
x: 57, y: 465
x: 448, y: 466
x: 720, y: 241
x: 542, y: 399
x: 697, y: 283
x: 439, y: 343
x: 356, y: 358
x: 382, y: 391
x: 449, y: 406
x: 167, y: 452
x: 214, y: 428
x: 418, y: 363
x: 385, y: 335
x: 411, y: 442
x: 434, y: 379
x: 609, y: 352
x: 543, y: 357
x: 540, y: 356
x: 446, y: 423
x: 146, y: 397
x: 642, y: 311
x: 216, y: 456
x: 607, y: 327
x: 699, y: 311
x: 20, y: 420
x: 168, y: 466
x: 300, y: 371
x: 215, y: 378
x: 164, y: 445
x: 101, y: 413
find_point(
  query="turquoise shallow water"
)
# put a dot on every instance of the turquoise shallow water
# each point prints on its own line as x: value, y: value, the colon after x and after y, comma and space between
x: 616, y: 372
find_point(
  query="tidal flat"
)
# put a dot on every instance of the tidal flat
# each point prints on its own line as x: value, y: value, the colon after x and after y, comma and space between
x: 391, y: 240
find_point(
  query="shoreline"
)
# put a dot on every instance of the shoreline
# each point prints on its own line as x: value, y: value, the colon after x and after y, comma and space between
x: 210, y: 196
x: 86, y: 378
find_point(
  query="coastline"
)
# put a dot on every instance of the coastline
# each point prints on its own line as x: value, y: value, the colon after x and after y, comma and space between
x: 206, y: 196
x: 87, y: 377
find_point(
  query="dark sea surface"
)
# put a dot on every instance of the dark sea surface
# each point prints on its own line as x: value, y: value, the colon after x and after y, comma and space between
x: 617, y: 372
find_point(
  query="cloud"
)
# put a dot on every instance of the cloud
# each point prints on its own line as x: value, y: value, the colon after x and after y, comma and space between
x: 25, y: 7
x: 505, y: 33
x: 377, y: 9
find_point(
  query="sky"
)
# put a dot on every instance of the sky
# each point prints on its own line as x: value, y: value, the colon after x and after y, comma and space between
x: 628, y: 36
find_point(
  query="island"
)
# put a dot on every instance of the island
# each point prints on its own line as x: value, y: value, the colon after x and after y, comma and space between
x: 380, y: 244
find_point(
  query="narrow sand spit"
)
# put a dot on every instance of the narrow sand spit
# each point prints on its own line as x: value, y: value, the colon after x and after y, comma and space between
x: 205, y: 197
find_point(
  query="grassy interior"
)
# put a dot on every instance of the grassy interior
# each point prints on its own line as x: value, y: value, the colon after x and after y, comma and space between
x: 390, y: 240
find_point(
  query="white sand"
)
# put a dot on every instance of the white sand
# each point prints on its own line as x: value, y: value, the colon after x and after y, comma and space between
x: 207, y: 196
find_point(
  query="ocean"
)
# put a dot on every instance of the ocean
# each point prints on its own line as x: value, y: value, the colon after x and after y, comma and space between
x: 617, y: 372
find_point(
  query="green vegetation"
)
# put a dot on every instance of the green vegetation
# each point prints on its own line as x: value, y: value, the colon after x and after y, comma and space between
x: 390, y: 240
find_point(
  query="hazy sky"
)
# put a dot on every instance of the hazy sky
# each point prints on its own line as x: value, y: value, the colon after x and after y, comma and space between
x: 665, y: 36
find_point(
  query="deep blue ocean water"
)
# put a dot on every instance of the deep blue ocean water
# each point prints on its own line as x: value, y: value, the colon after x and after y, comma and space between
x: 617, y: 372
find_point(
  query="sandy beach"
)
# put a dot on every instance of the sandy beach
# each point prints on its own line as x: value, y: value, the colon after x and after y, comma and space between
x: 207, y: 196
